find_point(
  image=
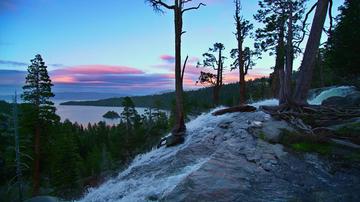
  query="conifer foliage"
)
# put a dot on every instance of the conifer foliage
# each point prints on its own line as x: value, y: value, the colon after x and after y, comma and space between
x: 216, y: 63
x: 41, y: 113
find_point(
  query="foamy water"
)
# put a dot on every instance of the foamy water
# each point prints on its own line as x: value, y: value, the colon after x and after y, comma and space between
x: 156, y: 173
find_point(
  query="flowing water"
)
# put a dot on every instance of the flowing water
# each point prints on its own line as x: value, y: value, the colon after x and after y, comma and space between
x: 221, y: 160
x: 341, y: 91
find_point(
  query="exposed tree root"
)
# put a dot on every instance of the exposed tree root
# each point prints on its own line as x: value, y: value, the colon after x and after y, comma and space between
x: 313, y: 119
x: 244, y: 108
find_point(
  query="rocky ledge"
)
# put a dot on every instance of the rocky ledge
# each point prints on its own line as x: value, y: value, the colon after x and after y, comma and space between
x: 225, y: 159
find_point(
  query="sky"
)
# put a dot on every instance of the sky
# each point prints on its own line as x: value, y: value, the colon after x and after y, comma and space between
x: 116, y: 46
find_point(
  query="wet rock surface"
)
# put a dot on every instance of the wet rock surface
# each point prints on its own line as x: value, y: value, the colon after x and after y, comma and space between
x: 351, y: 100
x: 221, y: 160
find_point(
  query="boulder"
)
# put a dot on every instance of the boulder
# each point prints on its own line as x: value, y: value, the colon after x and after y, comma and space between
x: 174, y: 140
x: 271, y: 130
x: 334, y: 101
x: 352, y: 100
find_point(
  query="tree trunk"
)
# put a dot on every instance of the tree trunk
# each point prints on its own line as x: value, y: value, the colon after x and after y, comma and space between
x: 242, y: 83
x: 307, y: 65
x: 287, y: 97
x: 36, y: 171
x: 280, y: 57
x: 180, y: 123
x: 218, y: 80
x: 216, y: 95
x: 275, y: 81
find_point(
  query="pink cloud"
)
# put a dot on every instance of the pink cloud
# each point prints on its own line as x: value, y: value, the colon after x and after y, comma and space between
x: 98, y: 69
x: 167, y: 58
x: 63, y: 79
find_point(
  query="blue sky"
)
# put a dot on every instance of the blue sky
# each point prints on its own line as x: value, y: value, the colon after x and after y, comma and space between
x: 113, y: 35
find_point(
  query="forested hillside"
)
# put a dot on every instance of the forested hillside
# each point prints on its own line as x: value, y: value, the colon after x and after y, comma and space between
x: 196, y: 99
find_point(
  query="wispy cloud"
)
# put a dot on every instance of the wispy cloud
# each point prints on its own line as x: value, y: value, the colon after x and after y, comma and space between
x: 167, y: 58
x: 10, y: 63
x: 98, y: 69
x: 13, y: 63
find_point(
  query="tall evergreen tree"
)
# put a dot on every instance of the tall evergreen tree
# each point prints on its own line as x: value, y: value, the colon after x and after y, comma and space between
x: 273, y: 37
x: 343, y: 47
x: 37, y: 92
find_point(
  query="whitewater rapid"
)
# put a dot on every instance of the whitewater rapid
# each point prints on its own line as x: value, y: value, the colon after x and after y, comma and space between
x: 173, y: 174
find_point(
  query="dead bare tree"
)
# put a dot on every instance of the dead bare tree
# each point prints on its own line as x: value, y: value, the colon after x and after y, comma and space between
x: 242, y: 56
x: 179, y: 8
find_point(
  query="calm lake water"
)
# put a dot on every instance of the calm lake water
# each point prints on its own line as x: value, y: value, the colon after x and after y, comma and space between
x: 89, y: 114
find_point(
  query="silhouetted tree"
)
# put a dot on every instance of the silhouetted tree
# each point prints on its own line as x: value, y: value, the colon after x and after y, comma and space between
x: 217, y: 64
x: 242, y: 56
x: 294, y: 14
x: 179, y: 8
x: 129, y: 114
x: 37, y: 92
x: 271, y: 38
x: 307, y: 65
x: 343, y: 46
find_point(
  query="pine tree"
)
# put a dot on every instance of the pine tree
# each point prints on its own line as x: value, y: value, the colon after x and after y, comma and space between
x: 342, y: 56
x: 217, y: 64
x: 129, y: 115
x: 274, y: 37
x: 37, y: 92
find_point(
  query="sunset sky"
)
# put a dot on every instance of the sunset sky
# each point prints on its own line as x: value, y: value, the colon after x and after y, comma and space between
x: 114, y: 46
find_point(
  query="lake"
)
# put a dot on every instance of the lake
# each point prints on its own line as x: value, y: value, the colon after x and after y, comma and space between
x: 89, y: 114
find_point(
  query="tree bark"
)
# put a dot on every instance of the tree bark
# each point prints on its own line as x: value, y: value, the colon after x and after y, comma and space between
x: 216, y: 95
x: 242, y: 83
x: 287, y: 97
x: 36, y: 171
x: 307, y: 65
x: 180, y: 123
x: 280, y: 57
x: 218, y: 80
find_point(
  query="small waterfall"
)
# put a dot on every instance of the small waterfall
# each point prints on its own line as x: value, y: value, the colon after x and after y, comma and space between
x: 153, y: 175
x: 341, y: 91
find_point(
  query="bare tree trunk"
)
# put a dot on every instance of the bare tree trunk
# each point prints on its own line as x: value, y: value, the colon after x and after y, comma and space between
x: 242, y: 86
x: 216, y: 95
x: 275, y: 81
x: 307, y: 66
x: 289, y: 59
x: 280, y: 57
x: 36, y: 171
x: 242, y: 98
x: 180, y: 123
x: 218, y: 80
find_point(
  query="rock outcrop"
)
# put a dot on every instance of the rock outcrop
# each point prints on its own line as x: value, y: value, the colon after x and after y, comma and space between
x: 222, y: 159
x: 352, y: 100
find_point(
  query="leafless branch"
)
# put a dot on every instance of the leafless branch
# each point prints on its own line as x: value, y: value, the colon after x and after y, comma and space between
x: 304, y: 23
x: 331, y: 18
x: 183, y: 69
x: 193, y: 8
x: 157, y: 3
